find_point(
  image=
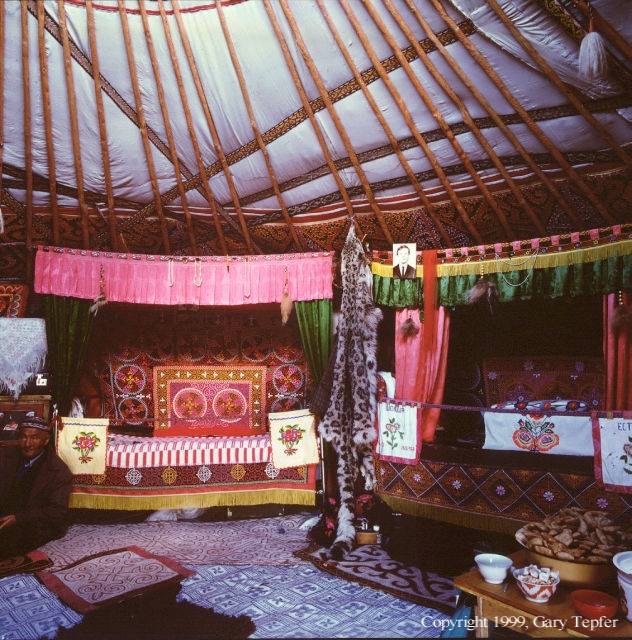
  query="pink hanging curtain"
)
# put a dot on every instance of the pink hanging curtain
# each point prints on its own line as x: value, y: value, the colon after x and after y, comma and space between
x: 204, y: 280
x: 616, y: 348
x: 421, y: 360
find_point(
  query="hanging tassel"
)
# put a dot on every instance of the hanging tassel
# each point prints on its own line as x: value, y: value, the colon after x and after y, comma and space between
x: 1, y: 222
x: 483, y: 291
x: 408, y: 329
x: 593, y: 55
x: 286, y: 302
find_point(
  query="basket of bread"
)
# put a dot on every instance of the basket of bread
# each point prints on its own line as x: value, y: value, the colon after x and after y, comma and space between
x: 578, y: 543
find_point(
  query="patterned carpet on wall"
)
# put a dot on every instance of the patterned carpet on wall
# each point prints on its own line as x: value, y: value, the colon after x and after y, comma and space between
x: 255, y: 571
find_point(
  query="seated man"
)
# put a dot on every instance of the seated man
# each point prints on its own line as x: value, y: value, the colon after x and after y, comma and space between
x: 35, y: 486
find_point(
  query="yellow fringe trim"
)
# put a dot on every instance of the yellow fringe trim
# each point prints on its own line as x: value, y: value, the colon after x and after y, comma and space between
x: 199, y: 501
x: 484, y: 522
x: 551, y: 259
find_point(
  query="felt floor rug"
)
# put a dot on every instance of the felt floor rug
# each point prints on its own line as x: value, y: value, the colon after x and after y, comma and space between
x: 110, y: 577
x: 371, y: 565
x: 253, y: 541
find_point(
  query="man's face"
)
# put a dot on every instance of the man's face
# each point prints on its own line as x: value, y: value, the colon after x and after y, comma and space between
x: 402, y: 256
x: 32, y: 441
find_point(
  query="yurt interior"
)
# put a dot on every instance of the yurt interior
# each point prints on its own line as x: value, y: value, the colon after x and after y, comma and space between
x: 315, y: 319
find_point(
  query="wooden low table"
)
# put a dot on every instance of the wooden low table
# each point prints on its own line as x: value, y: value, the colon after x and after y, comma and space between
x: 555, y: 619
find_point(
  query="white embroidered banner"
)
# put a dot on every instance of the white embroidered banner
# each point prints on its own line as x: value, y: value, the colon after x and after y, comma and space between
x: 560, y: 434
x: 82, y: 444
x: 398, y: 437
x: 613, y: 453
x: 293, y: 439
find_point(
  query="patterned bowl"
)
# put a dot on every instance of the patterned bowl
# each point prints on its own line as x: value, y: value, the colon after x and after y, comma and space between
x: 532, y: 589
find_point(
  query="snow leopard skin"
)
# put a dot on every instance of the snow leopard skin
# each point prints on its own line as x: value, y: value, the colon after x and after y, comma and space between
x: 349, y: 422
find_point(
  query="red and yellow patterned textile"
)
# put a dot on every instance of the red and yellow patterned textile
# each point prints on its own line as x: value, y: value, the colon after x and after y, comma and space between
x: 193, y: 486
x: 13, y: 298
x: 209, y: 401
x: 494, y: 490
x: 133, y: 343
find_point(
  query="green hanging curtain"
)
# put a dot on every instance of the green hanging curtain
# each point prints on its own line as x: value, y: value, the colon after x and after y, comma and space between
x: 68, y: 331
x: 393, y: 292
x: 315, y: 323
x: 587, y: 271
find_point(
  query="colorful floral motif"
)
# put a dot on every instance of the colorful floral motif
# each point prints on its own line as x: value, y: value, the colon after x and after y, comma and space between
x: 86, y: 443
x: 291, y: 436
x: 392, y: 429
x: 535, y: 433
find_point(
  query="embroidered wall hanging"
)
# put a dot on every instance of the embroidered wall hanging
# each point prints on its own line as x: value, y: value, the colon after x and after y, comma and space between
x: 82, y: 444
x: 13, y: 299
x: 293, y: 438
x: 613, y: 453
x: 398, y: 436
x: 209, y: 401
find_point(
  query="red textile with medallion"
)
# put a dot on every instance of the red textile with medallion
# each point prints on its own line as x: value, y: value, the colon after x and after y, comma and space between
x: 209, y: 401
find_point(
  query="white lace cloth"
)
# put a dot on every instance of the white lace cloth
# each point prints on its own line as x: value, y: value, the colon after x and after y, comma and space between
x: 23, y: 350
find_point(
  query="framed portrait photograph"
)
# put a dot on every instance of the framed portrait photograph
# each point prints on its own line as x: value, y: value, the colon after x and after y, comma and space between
x: 405, y: 261
x: 13, y: 413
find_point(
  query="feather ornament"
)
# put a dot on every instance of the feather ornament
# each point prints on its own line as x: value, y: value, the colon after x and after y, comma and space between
x: 593, y: 55
x: 483, y: 291
x: 286, y: 307
x: 621, y: 320
x: 408, y: 329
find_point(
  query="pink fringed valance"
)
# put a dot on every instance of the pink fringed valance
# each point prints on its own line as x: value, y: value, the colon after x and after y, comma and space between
x: 174, y: 280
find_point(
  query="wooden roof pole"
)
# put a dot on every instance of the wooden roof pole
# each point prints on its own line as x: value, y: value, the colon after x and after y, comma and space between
x: 375, y: 61
x: 48, y: 127
x: 255, y: 127
x: 509, y: 134
x: 331, y: 110
x: 561, y: 86
x: 436, y: 112
x: 28, y: 153
x: 387, y: 129
x: 168, y: 129
x: 467, y: 118
x: 524, y: 114
x: 142, y: 125
x: 194, y: 141
x: 310, y: 114
x: 212, y: 128
x: 105, y: 154
x: 74, y: 125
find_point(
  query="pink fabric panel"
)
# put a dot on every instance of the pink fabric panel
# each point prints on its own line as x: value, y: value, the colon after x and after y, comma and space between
x: 420, y: 380
x: 616, y: 348
x: 145, y: 279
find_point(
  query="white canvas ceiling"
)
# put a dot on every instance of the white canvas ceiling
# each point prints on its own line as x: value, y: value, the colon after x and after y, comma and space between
x: 259, y: 126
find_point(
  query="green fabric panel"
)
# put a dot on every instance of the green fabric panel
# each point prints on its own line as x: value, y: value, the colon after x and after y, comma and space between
x: 393, y: 292
x: 68, y: 330
x: 588, y: 278
x: 315, y: 324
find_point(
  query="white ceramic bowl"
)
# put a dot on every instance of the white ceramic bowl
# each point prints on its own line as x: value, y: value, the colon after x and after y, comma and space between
x: 532, y: 590
x: 493, y: 567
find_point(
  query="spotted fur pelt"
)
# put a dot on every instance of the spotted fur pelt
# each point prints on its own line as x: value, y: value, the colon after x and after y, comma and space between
x: 349, y: 422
